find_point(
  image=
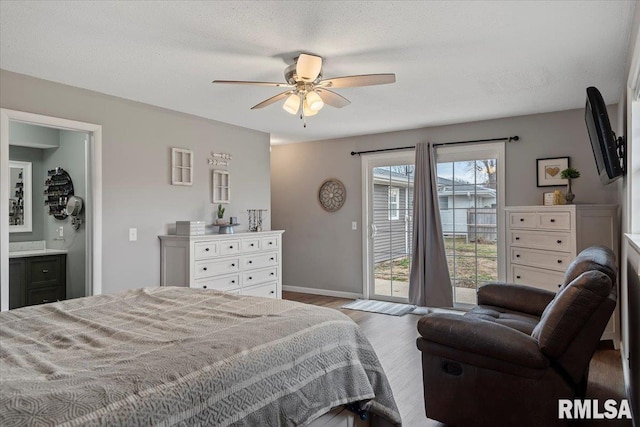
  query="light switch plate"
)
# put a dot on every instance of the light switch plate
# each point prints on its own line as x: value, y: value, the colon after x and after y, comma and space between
x: 354, y: 225
x: 133, y: 234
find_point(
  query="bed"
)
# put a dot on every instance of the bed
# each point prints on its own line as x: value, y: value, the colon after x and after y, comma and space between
x: 179, y: 356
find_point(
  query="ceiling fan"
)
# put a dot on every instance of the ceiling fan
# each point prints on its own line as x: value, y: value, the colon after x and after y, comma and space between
x: 308, y: 92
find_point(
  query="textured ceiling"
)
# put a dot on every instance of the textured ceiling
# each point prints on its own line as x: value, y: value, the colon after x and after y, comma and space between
x: 455, y: 61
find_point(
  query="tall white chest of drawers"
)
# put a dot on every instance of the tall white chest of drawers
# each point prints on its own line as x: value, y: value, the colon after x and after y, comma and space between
x: 242, y: 263
x: 543, y: 240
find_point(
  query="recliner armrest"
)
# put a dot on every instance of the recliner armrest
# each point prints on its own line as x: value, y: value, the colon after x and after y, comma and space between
x: 471, y: 335
x: 525, y: 299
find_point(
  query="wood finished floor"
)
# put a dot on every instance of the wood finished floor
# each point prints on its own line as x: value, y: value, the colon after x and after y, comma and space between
x: 394, y: 339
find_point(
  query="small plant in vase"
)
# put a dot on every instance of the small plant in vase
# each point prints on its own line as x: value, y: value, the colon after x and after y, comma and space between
x: 220, y: 214
x: 569, y: 174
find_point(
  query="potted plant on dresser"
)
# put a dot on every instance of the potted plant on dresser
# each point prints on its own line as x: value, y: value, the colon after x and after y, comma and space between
x: 569, y: 174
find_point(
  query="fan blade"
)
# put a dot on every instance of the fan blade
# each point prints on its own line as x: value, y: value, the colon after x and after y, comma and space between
x: 362, y: 80
x: 236, y: 82
x: 308, y: 67
x: 332, y: 98
x: 273, y: 99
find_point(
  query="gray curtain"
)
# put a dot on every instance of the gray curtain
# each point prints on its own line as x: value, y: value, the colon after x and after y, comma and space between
x: 429, y: 282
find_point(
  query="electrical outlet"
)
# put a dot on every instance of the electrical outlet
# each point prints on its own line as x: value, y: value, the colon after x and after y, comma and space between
x: 133, y: 234
x: 354, y: 225
x: 61, y: 231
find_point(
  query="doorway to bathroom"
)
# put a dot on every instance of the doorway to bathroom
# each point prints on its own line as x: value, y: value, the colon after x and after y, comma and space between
x: 58, y: 253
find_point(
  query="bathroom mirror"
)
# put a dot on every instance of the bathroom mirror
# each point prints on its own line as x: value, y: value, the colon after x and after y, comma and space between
x: 20, y: 199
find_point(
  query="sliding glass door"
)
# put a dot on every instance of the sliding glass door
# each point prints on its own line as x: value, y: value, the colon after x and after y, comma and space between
x: 387, y: 213
x: 470, y: 195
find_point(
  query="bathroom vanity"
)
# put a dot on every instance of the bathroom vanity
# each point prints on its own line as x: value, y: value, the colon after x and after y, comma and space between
x: 36, y: 276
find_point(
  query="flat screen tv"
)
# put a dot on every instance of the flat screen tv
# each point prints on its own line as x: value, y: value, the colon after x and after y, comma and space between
x: 607, y: 149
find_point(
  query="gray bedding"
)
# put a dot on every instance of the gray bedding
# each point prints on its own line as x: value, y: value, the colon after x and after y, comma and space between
x: 177, y: 356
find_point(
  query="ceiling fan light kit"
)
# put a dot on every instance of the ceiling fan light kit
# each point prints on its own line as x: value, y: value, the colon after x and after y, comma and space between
x: 309, y: 89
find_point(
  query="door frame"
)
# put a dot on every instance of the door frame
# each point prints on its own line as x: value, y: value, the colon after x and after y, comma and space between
x: 366, y: 161
x: 94, y: 230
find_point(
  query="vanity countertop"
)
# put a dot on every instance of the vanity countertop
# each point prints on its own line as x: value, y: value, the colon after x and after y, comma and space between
x: 36, y: 252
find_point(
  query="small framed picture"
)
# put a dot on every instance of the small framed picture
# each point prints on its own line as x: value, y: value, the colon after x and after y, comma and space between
x: 548, y: 199
x: 548, y: 171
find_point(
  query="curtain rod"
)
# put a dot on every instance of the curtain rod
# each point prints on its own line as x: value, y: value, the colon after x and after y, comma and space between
x: 508, y: 139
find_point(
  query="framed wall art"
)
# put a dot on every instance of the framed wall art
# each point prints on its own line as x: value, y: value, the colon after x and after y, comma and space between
x: 548, y: 171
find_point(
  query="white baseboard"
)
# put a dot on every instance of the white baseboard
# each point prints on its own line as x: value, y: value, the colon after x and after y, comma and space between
x: 324, y: 292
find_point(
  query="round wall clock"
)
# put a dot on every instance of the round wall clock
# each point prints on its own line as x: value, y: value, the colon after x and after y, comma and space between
x: 332, y: 195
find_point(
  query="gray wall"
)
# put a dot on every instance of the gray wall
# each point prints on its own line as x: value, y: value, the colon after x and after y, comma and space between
x: 70, y: 156
x: 135, y: 160
x: 33, y: 155
x: 320, y: 249
x: 30, y: 136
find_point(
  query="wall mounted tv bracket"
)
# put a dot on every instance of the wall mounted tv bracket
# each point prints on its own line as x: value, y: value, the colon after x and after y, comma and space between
x: 621, y: 147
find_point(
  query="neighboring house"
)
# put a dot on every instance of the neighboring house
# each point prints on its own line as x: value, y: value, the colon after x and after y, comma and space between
x: 465, y: 210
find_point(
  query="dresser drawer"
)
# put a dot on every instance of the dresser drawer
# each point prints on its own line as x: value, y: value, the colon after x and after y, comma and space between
x: 540, y: 278
x: 204, y: 250
x: 545, y: 259
x: 260, y: 260
x: 213, y: 268
x: 268, y: 290
x: 554, y: 220
x: 251, y: 245
x: 46, y: 270
x: 523, y: 220
x: 259, y: 276
x: 225, y: 283
x: 270, y: 242
x: 230, y: 247
x: 45, y: 294
x: 541, y: 240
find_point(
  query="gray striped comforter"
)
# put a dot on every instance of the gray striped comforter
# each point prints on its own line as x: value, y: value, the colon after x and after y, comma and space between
x: 177, y: 356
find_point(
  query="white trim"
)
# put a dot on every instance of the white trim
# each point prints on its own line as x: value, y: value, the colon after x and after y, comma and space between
x: 323, y: 292
x: 396, y: 192
x: 94, y: 249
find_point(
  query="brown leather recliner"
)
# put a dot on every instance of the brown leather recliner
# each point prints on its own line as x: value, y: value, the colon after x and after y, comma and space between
x: 507, y: 361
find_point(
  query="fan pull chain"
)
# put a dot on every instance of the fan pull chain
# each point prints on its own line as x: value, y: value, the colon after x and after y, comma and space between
x: 302, y: 117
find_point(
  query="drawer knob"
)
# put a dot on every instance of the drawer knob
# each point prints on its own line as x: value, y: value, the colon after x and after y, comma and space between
x: 233, y: 264
x: 250, y: 278
x: 206, y: 250
x: 231, y: 247
x: 517, y: 238
x: 251, y: 245
x: 517, y: 277
x: 552, y: 220
x: 272, y: 292
x: 250, y: 262
x: 558, y: 241
x: 204, y: 268
x: 233, y: 281
x: 559, y: 261
x: 273, y: 274
x: 204, y: 287
x: 521, y: 219
x: 517, y: 255
x: 45, y: 270
x: 271, y: 259
x: 271, y: 243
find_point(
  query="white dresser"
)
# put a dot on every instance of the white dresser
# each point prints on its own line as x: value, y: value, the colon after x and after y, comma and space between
x: 543, y: 240
x: 242, y: 263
